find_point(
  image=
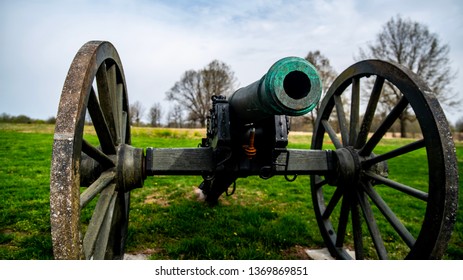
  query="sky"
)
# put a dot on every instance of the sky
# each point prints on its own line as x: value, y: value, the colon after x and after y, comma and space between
x: 159, y: 40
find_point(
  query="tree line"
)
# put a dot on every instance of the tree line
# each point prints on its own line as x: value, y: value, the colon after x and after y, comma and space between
x: 6, y: 118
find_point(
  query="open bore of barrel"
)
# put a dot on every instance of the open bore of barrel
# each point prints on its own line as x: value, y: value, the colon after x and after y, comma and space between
x: 297, y: 84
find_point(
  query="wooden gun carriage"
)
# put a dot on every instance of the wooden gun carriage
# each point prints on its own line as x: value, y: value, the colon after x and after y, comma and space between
x: 247, y: 134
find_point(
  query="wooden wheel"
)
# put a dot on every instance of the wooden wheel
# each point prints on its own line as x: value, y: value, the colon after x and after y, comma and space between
x: 375, y: 203
x: 91, y: 176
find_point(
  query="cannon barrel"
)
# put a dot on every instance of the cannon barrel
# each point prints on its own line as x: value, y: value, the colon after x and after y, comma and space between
x: 291, y: 87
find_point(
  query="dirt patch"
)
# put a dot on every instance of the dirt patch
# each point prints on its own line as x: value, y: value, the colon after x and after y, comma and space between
x: 141, y: 255
x: 153, y: 199
x: 297, y: 252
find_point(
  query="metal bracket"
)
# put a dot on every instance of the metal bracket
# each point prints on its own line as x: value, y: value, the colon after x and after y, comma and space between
x: 233, y: 189
x: 285, y: 165
x: 218, y: 124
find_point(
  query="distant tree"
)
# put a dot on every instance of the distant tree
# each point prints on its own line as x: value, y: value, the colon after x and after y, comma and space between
x: 327, y: 75
x: 459, y: 125
x: 412, y: 45
x: 5, y: 118
x: 175, y: 117
x: 194, y: 90
x: 155, y: 114
x: 51, y: 120
x: 22, y: 119
x: 136, y: 113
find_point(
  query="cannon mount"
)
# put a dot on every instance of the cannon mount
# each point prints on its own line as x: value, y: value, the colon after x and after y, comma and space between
x: 349, y: 176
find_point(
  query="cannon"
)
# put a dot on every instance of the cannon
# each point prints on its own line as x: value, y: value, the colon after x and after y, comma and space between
x: 236, y: 129
x: 247, y: 135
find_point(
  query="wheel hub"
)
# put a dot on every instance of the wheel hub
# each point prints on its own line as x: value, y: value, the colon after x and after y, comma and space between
x: 130, y: 167
x: 347, y: 170
x: 348, y: 167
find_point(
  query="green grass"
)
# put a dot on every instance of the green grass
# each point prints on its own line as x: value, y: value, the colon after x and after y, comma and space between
x: 260, y: 221
x: 24, y: 187
x: 264, y: 219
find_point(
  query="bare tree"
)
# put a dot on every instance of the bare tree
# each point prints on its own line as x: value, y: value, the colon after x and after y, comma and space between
x: 136, y: 113
x: 412, y: 45
x: 195, y: 89
x: 155, y: 114
x: 175, y: 117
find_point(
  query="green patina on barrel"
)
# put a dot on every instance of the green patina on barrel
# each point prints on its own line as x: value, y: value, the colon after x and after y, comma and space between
x: 291, y: 87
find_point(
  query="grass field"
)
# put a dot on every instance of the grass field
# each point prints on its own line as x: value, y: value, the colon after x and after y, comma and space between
x: 270, y: 219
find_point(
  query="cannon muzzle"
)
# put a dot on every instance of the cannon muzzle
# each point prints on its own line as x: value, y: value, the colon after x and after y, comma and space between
x: 291, y: 87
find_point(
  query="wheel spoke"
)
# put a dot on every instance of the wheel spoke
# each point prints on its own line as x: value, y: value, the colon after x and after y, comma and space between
x: 100, y: 184
x: 394, y: 153
x: 124, y: 127
x: 398, y: 186
x: 342, y: 121
x: 332, y: 134
x: 354, y: 111
x: 343, y: 220
x: 112, y: 84
x: 370, y: 112
x: 101, y: 245
x: 96, y: 222
x: 384, y: 127
x: 118, y: 110
x: 333, y: 202
x: 357, y: 230
x: 96, y: 154
x: 123, y: 219
x: 104, y: 96
x: 319, y: 182
x: 372, y: 225
x: 390, y: 216
x: 100, y: 124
